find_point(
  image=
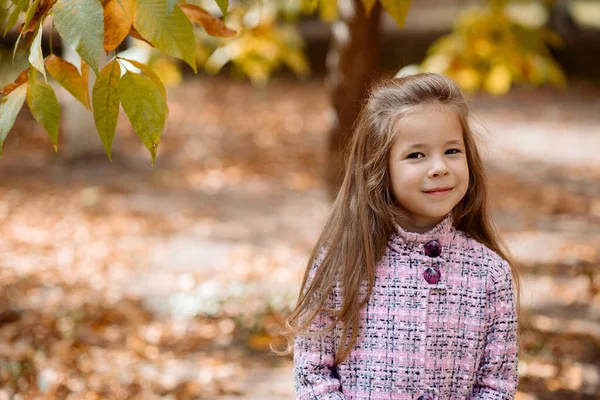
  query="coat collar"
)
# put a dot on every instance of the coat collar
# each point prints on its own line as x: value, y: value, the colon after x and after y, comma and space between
x: 443, y: 232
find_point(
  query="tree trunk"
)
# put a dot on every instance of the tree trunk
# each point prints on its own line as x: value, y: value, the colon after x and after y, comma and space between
x: 351, y: 63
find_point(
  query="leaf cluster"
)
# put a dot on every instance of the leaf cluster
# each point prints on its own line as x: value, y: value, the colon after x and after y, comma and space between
x: 488, y: 50
x: 91, y: 27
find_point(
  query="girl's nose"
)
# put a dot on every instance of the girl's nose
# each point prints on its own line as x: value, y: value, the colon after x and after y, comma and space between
x: 438, y: 168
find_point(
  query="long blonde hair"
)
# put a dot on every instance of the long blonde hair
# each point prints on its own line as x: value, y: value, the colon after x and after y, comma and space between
x: 363, y: 215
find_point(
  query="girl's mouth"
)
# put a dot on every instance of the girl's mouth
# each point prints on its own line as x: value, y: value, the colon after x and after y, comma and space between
x: 439, y: 192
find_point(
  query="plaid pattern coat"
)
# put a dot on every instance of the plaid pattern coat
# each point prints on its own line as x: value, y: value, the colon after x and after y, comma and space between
x: 453, y: 339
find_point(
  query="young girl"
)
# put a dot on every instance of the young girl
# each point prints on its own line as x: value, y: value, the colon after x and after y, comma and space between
x: 408, y: 293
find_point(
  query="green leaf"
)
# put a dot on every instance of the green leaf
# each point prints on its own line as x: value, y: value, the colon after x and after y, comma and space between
x: 105, y: 99
x: 397, y: 9
x: 223, y: 5
x: 20, y: 7
x: 30, y: 13
x: 146, y: 70
x: 44, y: 106
x: 36, y: 58
x: 170, y: 6
x: 146, y: 108
x: 9, y: 109
x: 81, y: 24
x: 172, y: 34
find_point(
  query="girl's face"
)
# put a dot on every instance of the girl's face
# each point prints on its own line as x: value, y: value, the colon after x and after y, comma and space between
x: 428, y: 166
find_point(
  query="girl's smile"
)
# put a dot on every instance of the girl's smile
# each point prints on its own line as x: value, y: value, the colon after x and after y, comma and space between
x: 438, y: 192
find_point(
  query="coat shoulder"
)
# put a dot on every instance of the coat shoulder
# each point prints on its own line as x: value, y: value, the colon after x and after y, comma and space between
x: 497, y: 267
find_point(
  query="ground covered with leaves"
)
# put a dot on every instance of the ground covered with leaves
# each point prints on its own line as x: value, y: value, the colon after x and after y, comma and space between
x: 126, y: 281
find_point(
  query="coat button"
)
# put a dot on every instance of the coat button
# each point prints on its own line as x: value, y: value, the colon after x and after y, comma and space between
x: 425, y: 397
x: 432, y: 275
x: 433, y: 248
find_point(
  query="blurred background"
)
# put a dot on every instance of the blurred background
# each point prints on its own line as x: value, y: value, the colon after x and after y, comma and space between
x: 125, y: 280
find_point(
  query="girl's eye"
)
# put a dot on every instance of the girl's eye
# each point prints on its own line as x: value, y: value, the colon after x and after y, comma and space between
x: 415, y: 155
x: 453, y: 151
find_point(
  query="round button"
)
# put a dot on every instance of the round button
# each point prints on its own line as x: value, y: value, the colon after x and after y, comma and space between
x: 433, y: 248
x: 432, y: 275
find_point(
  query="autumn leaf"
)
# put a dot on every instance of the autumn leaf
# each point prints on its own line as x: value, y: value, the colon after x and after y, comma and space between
x: 67, y: 76
x: 146, y: 70
x: 36, y: 58
x: 328, y: 9
x: 44, y: 106
x: 20, y: 6
x: 118, y: 19
x: 9, y: 109
x: 105, y: 98
x: 21, y: 79
x: 213, y: 26
x: 398, y: 9
x: 172, y: 34
x: 135, y: 34
x: 368, y: 4
x: 39, y: 14
x: 31, y: 11
x: 81, y: 24
x: 498, y: 80
x: 145, y: 107
x: 170, y: 6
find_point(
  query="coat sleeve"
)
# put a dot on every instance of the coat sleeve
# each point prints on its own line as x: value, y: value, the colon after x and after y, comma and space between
x: 314, y: 376
x: 497, y: 373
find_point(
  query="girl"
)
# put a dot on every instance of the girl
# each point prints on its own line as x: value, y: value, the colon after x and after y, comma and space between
x: 408, y: 293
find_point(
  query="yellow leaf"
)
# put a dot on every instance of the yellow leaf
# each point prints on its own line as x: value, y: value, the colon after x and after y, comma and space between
x: 117, y: 22
x: 213, y: 26
x: 328, y: 9
x: 67, y: 75
x: 468, y: 79
x: 498, y: 80
x: 397, y: 9
x: 368, y: 4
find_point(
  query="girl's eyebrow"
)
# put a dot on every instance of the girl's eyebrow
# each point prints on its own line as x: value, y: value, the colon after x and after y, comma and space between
x: 422, y: 145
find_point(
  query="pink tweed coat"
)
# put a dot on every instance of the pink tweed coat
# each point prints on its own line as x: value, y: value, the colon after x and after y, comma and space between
x: 452, y: 339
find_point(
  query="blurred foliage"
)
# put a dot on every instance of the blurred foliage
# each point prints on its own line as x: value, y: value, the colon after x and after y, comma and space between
x: 488, y: 50
x: 268, y: 37
x: 267, y: 40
